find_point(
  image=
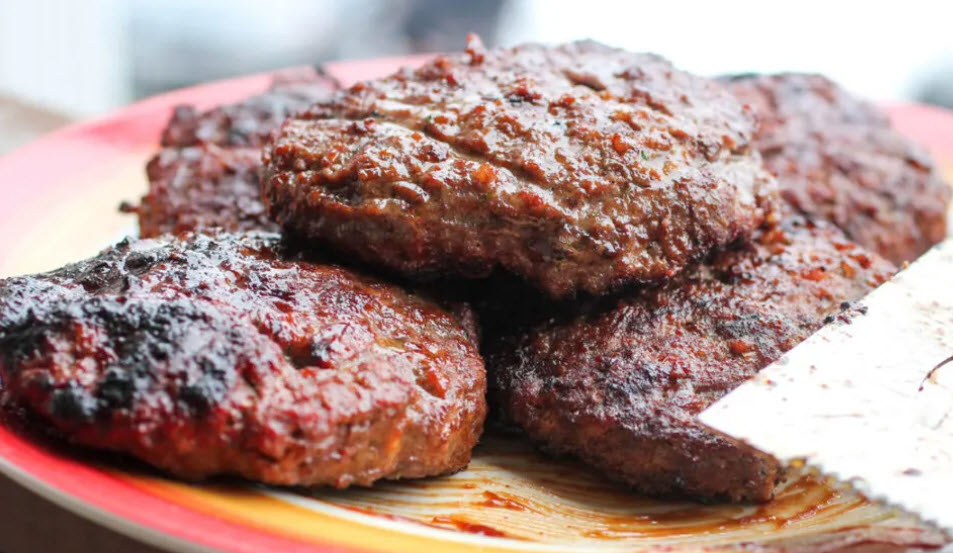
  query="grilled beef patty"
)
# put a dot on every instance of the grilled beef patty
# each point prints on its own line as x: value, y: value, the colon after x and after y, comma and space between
x: 579, y: 167
x: 838, y: 158
x: 251, y: 122
x: 226, y: 354
x: 206, y: 175
x: 618, y: 382
x: 203, y: 187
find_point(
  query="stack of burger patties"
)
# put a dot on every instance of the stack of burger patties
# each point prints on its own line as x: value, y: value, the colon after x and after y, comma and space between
x: 591, y: 243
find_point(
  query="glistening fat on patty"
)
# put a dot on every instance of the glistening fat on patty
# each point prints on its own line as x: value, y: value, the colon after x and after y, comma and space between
x: 227, y: 354
x: 618, y: 382
x: 579, y: 167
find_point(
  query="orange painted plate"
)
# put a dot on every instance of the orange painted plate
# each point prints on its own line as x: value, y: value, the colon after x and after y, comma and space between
x: 58, y: 203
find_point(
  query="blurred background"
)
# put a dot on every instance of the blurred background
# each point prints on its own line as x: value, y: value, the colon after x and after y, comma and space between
x: 62, y: 60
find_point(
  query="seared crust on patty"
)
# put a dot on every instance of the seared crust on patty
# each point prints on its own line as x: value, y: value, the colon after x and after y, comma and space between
x: 579, y: 167
x: 203, y: 187
x: 206, y: 175
x: 225, y: 354
x: 251, y: 122
x: 838, y: 158
x: 618, y: 382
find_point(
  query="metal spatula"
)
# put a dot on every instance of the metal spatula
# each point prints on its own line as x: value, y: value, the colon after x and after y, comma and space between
x: 869, y: 398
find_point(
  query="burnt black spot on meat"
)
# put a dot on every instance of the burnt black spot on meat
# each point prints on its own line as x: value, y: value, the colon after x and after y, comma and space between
x: 210, y: 387
x: 137, y: 263
x: 639, y: 377
x: 741, y: 326
x: 151, y: 334
x: 117, y: 388
x: 140, y: 335
x: 101, y: 277
x: 22, y: 341
x: 73, y: 403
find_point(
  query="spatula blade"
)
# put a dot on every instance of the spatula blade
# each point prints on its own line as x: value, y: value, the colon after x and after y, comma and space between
x: 868, y: 399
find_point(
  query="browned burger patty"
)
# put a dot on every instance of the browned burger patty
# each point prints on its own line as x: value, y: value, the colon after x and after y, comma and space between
x: 222, y: 354
x: 837, y: 157
x: 252, y: 121
x: 202, y: 187
x: 579, y: 167
x: 207, y: 174
x: 620, y: 384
